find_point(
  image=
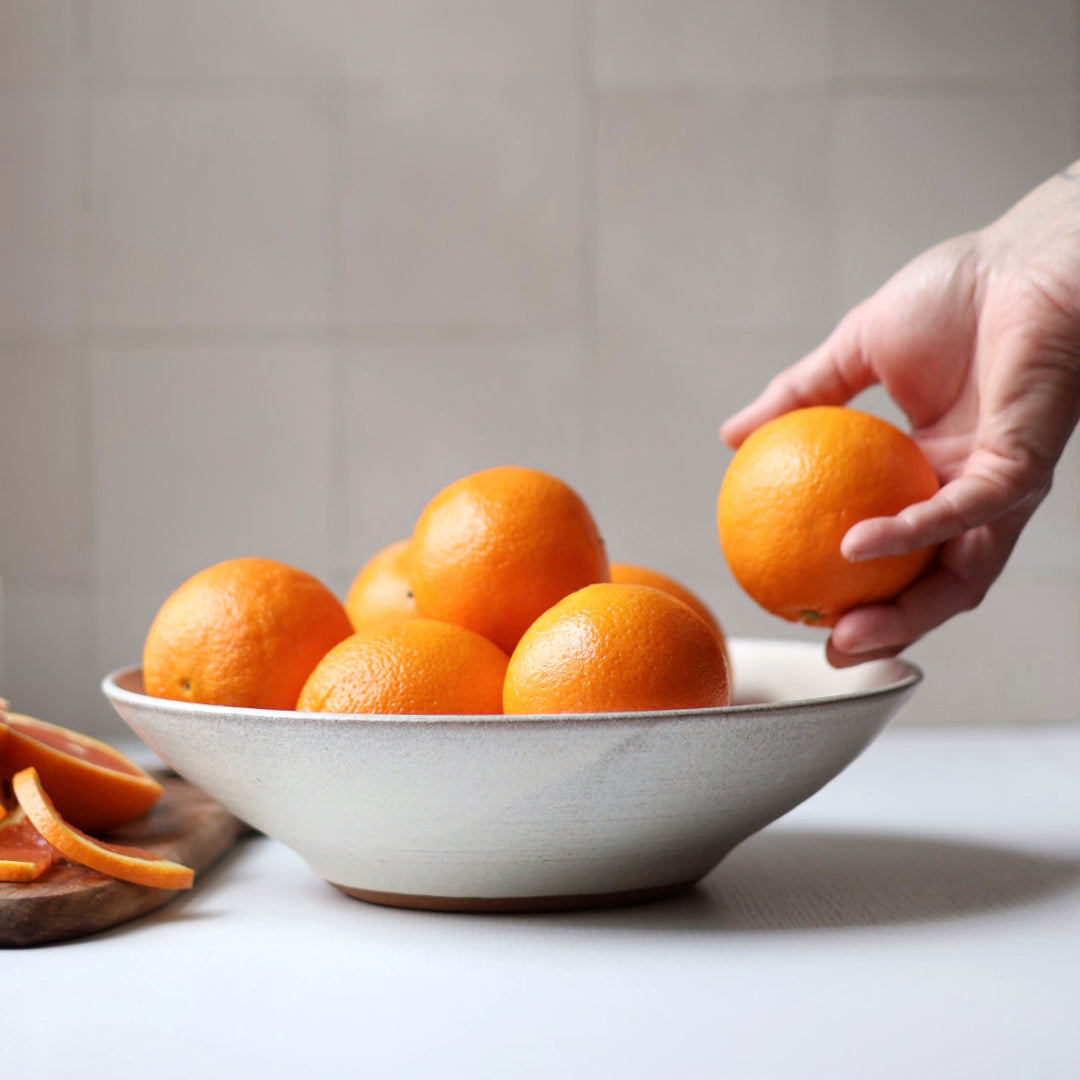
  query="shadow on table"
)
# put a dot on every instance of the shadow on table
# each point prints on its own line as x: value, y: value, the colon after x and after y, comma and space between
x: 792, y: 880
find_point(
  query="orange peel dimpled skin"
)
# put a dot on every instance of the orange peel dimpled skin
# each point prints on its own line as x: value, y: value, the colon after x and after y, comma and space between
x: 617, y: 648
x: 496, y: 549
x: 795, y: 487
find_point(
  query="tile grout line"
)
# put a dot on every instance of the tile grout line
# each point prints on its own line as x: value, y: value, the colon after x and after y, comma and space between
x: 338, y: 483
x: 588, y: 224
x: 85, y: 259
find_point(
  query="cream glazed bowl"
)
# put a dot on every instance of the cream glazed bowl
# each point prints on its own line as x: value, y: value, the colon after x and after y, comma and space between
x: 525, y: 813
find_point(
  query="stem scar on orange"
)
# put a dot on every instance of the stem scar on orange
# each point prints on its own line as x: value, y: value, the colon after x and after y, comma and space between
x: 94, y: 785
x: 382, y: 588
x: 126, y: 863
x: 791, y: 492
x: 495, y: 549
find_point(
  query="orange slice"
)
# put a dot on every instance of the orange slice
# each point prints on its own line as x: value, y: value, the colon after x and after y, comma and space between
x: 24, y: 853
x: 95, y: 787
x: 127, y: 863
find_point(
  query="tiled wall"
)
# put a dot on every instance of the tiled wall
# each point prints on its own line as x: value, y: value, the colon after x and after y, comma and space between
x: 274, y: 271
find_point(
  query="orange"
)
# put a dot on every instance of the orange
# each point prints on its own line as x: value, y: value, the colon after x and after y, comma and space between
x: 24, y: 853
x: 497, y: 548
x: 126, y: 863
x: 244, y: 632
x: 616, y: 648
x: 631, y: 574
x: 408, y: 666
x: 792, y: 491
x: 382, y: 589
x: 95, y: 786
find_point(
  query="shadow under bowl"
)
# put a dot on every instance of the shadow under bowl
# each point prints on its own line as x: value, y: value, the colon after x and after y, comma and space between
x: 529, y: 813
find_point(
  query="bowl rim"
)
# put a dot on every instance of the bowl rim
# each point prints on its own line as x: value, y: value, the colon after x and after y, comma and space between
x: 909, y: 677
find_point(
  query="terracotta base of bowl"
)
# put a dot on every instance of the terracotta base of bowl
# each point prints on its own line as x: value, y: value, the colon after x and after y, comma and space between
x: 478, y: 904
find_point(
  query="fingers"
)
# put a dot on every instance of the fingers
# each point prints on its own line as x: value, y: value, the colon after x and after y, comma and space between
x: 843, y: 660
x: 965, y: 570
x: 978, y: 497
x: 830, y: 375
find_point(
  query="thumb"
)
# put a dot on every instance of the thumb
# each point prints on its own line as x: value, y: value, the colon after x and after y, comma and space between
x: 832, y: 374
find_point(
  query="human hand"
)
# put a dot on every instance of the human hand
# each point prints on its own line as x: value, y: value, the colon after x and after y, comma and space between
x: 978, y: 341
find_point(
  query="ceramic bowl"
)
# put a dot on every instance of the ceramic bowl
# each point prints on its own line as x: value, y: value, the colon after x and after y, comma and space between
x: 537, y: 812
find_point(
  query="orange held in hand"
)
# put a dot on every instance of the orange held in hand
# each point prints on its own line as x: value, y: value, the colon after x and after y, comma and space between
x: 616, y: 648
x: 382, y: 590
x: 126, y: 863
x: 497, y: 548
x: 245, y: 632
x: 792, y: 491
x: 95, y: 787
x: 408, y: 666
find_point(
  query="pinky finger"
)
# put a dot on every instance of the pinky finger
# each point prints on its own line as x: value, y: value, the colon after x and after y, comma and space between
x: 966, y: 569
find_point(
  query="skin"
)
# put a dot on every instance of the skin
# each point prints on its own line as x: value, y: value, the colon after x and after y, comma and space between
x: 978, y: 341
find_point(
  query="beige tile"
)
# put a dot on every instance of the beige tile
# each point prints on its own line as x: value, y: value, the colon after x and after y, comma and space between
x: 1013, y: 660
x: 780, y: 43
x: 651, y: 449
x: 463, y: 40
x: 421, y: 416
x: 40, y: 187
x: 200, y: 43
x: 49, y: 662
x: 210, y: 213
x: 463, y: 210
x: 203, y: 454
x: 951, y: 42
x: 712, y: 210
x: 39, y: 45
x: 123, y: 612
x: 46, y: 475
x: 1051, y: 539
x: 913, y: 170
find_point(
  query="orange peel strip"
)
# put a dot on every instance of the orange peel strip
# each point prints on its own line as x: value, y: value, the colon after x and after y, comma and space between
x: 126, y: 863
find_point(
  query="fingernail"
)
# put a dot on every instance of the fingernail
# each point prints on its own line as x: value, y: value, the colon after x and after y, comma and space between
x: 858, y: 646
x: 851, y: 551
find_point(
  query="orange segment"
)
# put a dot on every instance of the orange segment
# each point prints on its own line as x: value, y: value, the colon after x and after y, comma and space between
x: 126, y: 863
x: 94, y: 785
x: 24, y: 853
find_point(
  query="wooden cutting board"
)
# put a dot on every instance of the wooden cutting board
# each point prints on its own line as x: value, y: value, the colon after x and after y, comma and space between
x: 71, y: 901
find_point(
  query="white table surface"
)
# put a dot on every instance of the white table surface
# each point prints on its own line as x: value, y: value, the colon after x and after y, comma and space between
x: 918, y: 918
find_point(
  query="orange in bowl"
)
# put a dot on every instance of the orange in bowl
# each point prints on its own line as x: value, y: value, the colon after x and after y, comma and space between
x: 382, y: 589
x: 617, y: 648
x: 417, y: 666
x: 495, y: 549
x: 243, y: 632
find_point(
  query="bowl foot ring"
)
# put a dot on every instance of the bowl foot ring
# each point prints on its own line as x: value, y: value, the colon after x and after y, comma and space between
x: 511, y: 904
